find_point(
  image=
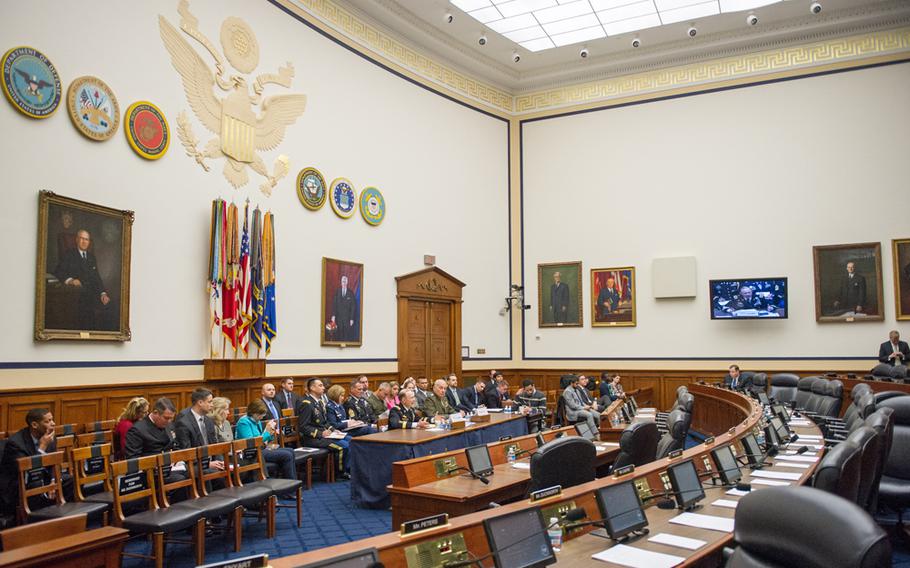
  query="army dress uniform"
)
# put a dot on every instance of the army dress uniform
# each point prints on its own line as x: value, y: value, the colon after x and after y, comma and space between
x: 401, y: 417
x: 312, y: 422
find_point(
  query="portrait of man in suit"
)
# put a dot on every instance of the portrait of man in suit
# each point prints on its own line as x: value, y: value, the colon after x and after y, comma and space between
x: 559, y: 291
x: 848, y: 282
x: 342, y: 302
x: 613, y: 296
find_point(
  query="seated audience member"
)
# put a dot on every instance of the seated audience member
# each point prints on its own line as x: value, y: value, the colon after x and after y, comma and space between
x: 473, y: 397
x: 193, y: 427
x: 894, y: 351
x: 498, y: 397
x: 391, y: 399
x: 531, y: 398
x: 610, y: 389
x: 268, y: 398
x: 377, y: 399
x: 576, y: 410
x: 734, y: 381
x: 38, y: 437
x: 436, y: 406
x: 585, y: 396
x: 153, y: 434
x: 338, y: 416
x: 251, y: 426
x: 409, y: 383
x: 286, y: 396
x: 423, y: 390
x: 221, y: 409
x: 404, y: 416
x: 453, y: 393
x: 604, y: 386
x: 135, y: 410
x: 315, y: 430
x: 357, y: 408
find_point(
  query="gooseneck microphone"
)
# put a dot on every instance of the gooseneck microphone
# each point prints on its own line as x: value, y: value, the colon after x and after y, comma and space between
x: 472, y: 473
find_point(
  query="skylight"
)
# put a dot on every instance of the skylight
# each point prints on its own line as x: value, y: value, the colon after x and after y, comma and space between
x: 537, y: 25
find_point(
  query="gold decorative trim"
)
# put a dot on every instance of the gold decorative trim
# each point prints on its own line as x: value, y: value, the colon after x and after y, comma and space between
x: 750, y: 65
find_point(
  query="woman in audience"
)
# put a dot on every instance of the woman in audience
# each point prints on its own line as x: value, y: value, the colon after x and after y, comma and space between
x: 335, y: 414
x: 136, y: 410
x: 221, y: 408
x: 391, y: 400
x: 251, y: 426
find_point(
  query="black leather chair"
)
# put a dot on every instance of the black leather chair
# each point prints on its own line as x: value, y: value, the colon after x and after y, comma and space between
x: 804, y: 391
x: 565, y: 461
x: 894, y: 487
x: 801, y: 527
x: 818, y: 398
x: 869, y: 441
x: 839, y: 471
x: 882, y: 396
x: 885, y: 372
x: 759, y: 382
x: 675, y: 438
x: 784, y: 387
x: 855, y: 416
x: 661, y: 417
x: 637, y: 445
x: 882, y: 420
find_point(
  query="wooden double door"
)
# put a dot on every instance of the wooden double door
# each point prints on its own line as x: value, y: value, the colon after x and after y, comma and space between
x: 429, y: 324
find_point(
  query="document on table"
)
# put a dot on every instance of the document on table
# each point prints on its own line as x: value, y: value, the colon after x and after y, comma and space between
x: 800, y: 423
x: 494, y: 410
x: 709, y: 522
x: 726, y: 503
x: 679, y: 541
x: 801, y: 459
x: 777, y: 475
x: 769, y: 482
x: 625, y: 555
x: 792, y: 464
x: 737, y: 492
x: 522, y: 465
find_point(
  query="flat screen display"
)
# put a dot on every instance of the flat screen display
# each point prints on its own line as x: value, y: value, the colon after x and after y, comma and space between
x: 749, y: 298
x: 781, y: 412
x: 634, y: 404
x: 621, y: 508
x: 360, y: 559
x: 519, y: 540
x: 782, y: 431
x: 771, y: 437
x: 752, y: 449
x: 540, y: 440
x: 686, y: 485
x: 763, y: 398
x: 585, y: 431
x: 727, y: 467
x: 479, y: 459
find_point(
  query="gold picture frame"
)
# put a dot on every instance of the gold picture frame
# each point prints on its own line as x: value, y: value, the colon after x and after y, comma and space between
x: 342, y: 311
x: 568, y: 312
x: 82, y: 278
x: 900, y: 249
x: 837, y: 295
x: 619, y: 300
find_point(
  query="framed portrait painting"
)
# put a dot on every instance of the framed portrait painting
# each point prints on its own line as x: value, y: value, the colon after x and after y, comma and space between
x: 848, y: 282
x: 82, y: 286
x: 901, y: 251
x: 342, y: 303
x: 559, y: 294
x: 613, y: 297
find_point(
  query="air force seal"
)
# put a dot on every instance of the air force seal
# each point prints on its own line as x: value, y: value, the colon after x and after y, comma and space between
x: 30, y: 82
x: 344, y: 198
x: 372, y: 206
x: 146, y: 130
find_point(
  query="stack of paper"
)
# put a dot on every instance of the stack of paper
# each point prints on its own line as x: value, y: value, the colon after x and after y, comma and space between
x: 679, y: 541
x: 776, y: 475
x: 637, y: 558
x: 709, y: 522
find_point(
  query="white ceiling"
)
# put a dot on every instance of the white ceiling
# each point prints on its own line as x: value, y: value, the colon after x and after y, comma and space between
x: 423, y: 25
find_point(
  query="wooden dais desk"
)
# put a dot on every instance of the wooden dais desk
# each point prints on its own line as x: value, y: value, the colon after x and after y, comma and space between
x: 98, y: 548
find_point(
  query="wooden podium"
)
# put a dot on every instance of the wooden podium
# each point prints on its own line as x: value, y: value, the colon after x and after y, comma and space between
x: 232, y: 369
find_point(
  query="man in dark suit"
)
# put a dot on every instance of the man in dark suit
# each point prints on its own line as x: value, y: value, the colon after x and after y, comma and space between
x: 851, y: 296
x: 268, y: 398
x: 38, y: 437
x: 475, y: 396
x: 734, y: 381
x: 559, y: 300
x: 454, y: 395
x: 344, y: 312
x: 607, y: 299
x: 894, y: 351
x: 422, y: 392
x: 286, y: 397
x: 78, y: 268
x: 498, y: 397
x: 153, y: 434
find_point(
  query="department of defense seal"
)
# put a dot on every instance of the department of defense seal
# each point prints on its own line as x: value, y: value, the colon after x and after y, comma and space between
x: 146, y: 130
x: 372, y: 205
x: 93, y: 108
x: 344, y: 198
x: 31, y: 82
x: 311, y: 188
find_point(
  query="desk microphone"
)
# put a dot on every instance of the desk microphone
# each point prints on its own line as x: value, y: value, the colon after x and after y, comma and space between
x: 479, y: 561
x: 531, y: 451
x: 670, y: 504
x: 473, y: 474
x: 802, y: 449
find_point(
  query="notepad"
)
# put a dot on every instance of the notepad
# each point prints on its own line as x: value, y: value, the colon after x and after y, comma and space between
x: 637, y: 558
x: 777, y: 475
x: 521, y: 465
x: 800, y: 423
x: 802, y: 459
x: 792, y: 464
x: 726, y: 503
x: 709, y: 522
x: 679, y: 541
x: 737, y: 492
x: 768, y: 482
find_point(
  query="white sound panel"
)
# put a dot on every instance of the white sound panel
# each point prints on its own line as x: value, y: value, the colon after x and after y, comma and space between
x: 674, y: 277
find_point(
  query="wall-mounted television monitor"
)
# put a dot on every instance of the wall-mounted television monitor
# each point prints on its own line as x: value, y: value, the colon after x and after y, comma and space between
x: 749, y: 298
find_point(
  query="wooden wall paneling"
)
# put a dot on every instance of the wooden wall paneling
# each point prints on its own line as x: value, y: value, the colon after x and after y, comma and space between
x: 20, y: 405
x: 179, y: 395
x: 236, y: 393
x: 668, y: 386
x: 643, y: 382
x: 79, y: 410
x: 116, y: 402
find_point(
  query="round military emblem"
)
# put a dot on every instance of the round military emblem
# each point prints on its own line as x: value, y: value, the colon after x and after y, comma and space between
x: 311, y: 188
x: 93, y: 108
x: 344, y: 198
x: 146, y: 130
x: 30, y: 82
x: 372, y: 205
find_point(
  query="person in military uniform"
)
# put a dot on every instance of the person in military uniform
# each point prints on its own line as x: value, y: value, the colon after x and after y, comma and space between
x: 357, y: 408
x: 404, y: 415
x: 436, y: 405
x: 745, y: 300
x: 314, y: 428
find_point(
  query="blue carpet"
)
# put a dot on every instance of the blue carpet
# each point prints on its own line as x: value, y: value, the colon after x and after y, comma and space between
x: 329, y: 518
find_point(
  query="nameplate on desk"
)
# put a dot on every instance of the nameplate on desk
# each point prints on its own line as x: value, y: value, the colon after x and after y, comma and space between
x: 709, y: 440
x: 674, y: 454
x: 424, y: 524
x: 546, y: 493
x: 258, y: 561
x: 504, y: 438
x: 481, y: 418
x: 624, y: 470
x: 445, y: 466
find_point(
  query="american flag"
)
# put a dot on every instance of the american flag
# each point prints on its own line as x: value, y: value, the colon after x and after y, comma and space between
x: 246, y: 289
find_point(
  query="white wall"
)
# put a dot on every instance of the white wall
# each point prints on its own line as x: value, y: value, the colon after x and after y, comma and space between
x: 747, y: 181
x: 442, y: 168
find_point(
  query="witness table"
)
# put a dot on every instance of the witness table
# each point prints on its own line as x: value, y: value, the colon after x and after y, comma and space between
x: 372, y: 456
